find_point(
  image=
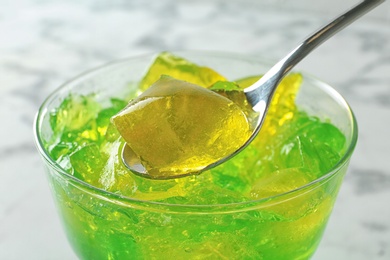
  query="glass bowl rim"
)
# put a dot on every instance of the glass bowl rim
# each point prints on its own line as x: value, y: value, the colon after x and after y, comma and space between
x: 94, y: 191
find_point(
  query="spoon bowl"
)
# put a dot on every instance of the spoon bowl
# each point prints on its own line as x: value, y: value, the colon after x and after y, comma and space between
x: 260, y: 94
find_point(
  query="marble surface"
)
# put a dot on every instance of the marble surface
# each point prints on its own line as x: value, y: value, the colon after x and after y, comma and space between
x: 44, y: 43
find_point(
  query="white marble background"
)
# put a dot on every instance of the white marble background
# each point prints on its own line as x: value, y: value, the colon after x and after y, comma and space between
x: 46, y: 42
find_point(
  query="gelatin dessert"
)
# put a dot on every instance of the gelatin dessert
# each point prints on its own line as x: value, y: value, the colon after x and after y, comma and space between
x: 271, y: 201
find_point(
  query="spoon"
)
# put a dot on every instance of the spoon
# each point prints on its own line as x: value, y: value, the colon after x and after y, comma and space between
x: 259, y: 95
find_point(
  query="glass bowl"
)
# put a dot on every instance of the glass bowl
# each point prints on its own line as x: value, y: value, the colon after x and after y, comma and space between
x: 105, y: 225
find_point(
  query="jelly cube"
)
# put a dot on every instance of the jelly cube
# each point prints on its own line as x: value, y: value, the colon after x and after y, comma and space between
x: 176, y: 127
x: 179, y: 68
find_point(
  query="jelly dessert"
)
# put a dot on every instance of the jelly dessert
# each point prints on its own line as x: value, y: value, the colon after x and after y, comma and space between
x: 257, y: 205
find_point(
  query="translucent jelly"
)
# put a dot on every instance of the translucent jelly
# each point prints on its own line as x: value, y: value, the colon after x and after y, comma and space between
x: 242, y: 209
x: 181, y: 69
x: 177, y: 128
x: 290, y: 143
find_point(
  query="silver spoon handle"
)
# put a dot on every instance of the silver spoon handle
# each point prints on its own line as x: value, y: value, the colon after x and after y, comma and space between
x: 262, y: 91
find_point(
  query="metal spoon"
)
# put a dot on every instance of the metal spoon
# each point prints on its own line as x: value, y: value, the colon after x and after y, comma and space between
x: 259, y: 95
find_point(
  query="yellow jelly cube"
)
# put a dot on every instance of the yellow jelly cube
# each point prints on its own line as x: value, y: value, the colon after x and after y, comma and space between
x: 283, y: 105
x: 176, y: 127
x: 179, y: 68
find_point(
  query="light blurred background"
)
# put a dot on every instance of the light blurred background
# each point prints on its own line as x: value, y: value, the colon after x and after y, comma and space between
x: 44, y: 43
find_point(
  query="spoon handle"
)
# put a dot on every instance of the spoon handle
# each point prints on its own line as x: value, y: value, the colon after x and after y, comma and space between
x: 260, y: 93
